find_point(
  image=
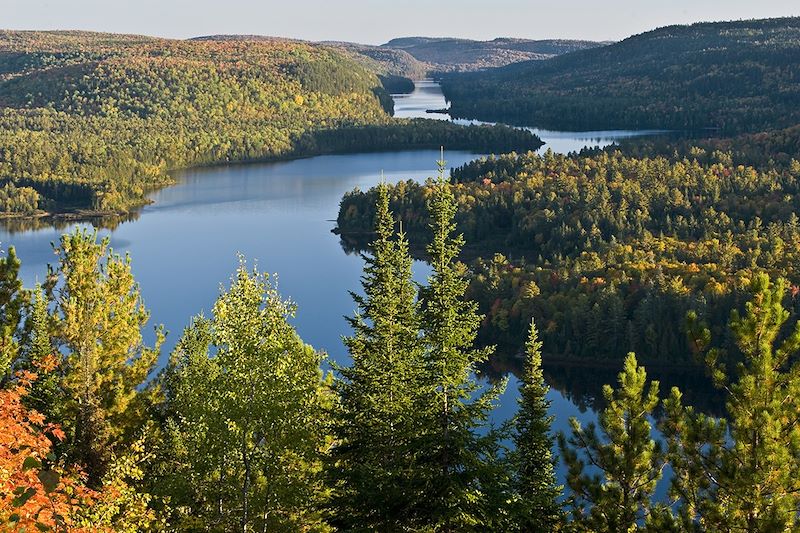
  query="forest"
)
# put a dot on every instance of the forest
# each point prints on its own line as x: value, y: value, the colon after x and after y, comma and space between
x: 605, y: 251
x: 243, y: 430
x: 676, y: 252
x: 727, y: 77
x: 92, y: 122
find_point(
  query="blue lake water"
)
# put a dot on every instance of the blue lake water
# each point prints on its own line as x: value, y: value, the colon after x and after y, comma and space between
x: 427, y: 95
x: 279, y: 215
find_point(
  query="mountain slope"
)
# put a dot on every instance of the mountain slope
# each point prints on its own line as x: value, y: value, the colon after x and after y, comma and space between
x: 444, y: 54
x: 383, y: 61
x: 734, y: 76
x: 93, y: 121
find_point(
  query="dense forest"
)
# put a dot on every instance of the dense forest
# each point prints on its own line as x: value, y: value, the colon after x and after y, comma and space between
x: 242, y: 430
x: 608, y: 252
x: 729, y: 76
x: 769, y: 148
x: 94, y: 121
x: 673, y: 252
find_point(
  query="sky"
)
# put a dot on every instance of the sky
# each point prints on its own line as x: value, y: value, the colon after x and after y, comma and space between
x: 375, y: 22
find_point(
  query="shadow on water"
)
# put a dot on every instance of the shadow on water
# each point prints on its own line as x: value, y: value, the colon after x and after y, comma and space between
x: 14, y: 226
x: 582, y: 382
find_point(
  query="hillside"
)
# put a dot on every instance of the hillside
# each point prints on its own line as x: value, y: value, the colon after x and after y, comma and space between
x: 94, y: 121
x: 386, y: 62
x: 731, y: 76
x: 444, y: 54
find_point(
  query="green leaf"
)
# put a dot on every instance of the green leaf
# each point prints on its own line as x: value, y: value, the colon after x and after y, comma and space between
x: 49, y: 479
x: 31, y: 462
x: 42, y: 527
x: 23, y: 498
x: 14, y: 518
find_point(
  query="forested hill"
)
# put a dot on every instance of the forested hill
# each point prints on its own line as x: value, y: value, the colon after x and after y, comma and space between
x: 445, y: 54
x: 735, y: 76
x: 386, y: 61
x: 610, y: 251
x: 92, y: 121
x: 383, y: 61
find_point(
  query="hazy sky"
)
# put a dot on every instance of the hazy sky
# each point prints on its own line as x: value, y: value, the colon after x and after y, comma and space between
x: 374, y: 21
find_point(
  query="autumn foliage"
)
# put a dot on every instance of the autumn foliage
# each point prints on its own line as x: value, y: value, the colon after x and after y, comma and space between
x: 35, y: 493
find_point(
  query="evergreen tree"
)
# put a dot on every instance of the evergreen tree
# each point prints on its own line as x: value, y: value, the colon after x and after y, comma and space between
x: 100, y: 315
x: 373, y: 461
x: 742, y: 473
x: 535, y: 474
x: 629, y: 461
x: 461, y: 464
x: 46, y: 395
x: 245, y: 399
x: 12, y: 301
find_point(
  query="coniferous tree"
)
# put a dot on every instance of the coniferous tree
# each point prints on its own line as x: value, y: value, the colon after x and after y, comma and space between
x: 46, y: 394
x: 630, y: 462
x: 461, y: 463
x: 12, y: 302
x: 373, y: 460
x: 536, y: 484
x: 99, y: 320
x: 742, y: 473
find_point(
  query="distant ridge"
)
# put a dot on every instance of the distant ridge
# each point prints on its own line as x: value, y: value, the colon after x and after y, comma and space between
x: 449, y: 54
x: 416, y: 57
x: 245, y: 37
x: 732, y: 76
x: 383, y: 61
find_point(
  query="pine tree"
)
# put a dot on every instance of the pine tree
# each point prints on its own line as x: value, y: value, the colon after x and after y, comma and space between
x: 461, y: 464
x: 533, y: 458
x: 373, y: 461
x: 629, y: 461
x: 99, y: 320
x: 742, y: 473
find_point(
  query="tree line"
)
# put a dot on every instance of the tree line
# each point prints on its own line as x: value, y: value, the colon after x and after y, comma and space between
x: 242, y: 430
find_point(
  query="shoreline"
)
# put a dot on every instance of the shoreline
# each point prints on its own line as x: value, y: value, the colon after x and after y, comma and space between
x: 83, y: 214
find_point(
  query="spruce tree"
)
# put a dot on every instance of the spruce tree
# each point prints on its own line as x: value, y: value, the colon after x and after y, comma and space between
x: 376, y: 423
x: 536, y: 485
x: 461, y: 463
x: 742, y: 473
x: 629, y: 461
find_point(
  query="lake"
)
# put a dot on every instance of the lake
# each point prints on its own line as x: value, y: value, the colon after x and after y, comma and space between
x: 279, y: 215
x: 427, y: 95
